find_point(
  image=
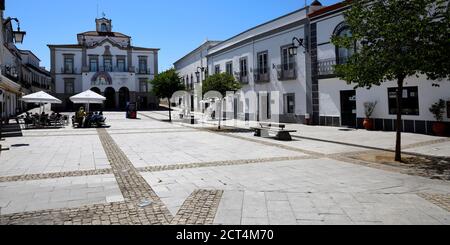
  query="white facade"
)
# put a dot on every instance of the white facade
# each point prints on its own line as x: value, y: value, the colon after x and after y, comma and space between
x: 310, y: 90
x: 107, y: 63
x: 193, y: 69
x: 272, y: 38
x: 417, y: 118
x: 10, y: 87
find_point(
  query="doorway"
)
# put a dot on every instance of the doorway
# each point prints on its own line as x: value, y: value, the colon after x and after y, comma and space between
x: 124, y: 97
x: 348, y: 108
x: 110, y: 95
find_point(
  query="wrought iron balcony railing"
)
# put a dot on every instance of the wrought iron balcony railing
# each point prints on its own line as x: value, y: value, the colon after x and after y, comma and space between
x: 69, y: 70
x: 262, y: 75
x: 287, y: 71
x: 326, y: 66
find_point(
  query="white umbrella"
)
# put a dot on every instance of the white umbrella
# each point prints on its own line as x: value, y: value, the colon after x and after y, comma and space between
x: 88, y: 97
x: 41, y: 98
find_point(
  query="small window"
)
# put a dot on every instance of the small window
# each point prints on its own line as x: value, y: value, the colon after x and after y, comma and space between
x: 121, y: 64
x: 289, y: 103
x: 104, y: 28
x: 93, y: 64
x: 69, y: 86
x: 287, y: 60
x: 217, y: 69
x: 410, y: 101
x: 68, y: 65
x: 263, y: 67
x: 143, y: 86
x: 229, y: 68
x: 243, y: 67
x: 107, y: 63
x: 143, y: 65
x: 342, y: 54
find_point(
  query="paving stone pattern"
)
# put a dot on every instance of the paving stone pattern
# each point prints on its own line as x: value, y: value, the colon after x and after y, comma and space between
x: 54, y: 175
x: 199, y: 208
x: 141, y: 206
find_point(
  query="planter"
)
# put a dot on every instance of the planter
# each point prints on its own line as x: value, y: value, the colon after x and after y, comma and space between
x: 368, y: 124
x: 439, y: 128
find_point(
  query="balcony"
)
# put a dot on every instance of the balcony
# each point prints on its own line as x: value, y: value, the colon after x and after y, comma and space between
x: 325, y: 67
x: 241, y: 77
x: 143, y: 71
x: 261, y: 77
x: 287, y: 71
x: 10, y: 72
x: 69, y: 71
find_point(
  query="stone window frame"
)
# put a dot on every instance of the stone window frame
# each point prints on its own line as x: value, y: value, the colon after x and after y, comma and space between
x: 229, y: 67
x: 68, y: 81
x: 67, y: 57
x: 121, y: 58
x: 286, y: 103
x: 91, y: 58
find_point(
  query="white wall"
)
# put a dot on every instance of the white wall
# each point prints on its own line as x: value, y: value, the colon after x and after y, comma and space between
x: 273, y: 45
x: 428, y: 95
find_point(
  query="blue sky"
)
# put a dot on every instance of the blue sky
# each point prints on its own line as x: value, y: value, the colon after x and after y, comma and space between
x: 174, y: 26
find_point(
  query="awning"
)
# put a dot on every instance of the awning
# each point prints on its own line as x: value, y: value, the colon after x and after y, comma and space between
x: 87, y: 97
x: 41, y: 97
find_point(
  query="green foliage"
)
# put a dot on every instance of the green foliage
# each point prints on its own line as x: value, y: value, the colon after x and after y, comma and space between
x: 438, y: 110
x: 221, y: 83
x: 166, y: 83
x: 396, y: 39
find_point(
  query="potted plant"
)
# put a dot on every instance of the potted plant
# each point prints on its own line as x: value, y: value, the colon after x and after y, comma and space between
x: 369, y: 107
x: 438, y: 110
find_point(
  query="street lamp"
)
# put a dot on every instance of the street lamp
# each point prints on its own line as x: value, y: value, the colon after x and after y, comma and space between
x: 17, y: 35
x: 294, y: 48
x: 197, y: 73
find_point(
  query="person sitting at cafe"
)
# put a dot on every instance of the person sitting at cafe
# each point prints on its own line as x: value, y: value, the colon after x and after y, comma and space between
x: 88, y: 120
x: 79, y: 117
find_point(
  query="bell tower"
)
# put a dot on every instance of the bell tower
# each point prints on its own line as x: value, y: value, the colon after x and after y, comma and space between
x: 103, y: 25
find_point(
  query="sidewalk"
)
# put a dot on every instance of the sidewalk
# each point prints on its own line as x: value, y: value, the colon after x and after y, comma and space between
x: 360, y: 138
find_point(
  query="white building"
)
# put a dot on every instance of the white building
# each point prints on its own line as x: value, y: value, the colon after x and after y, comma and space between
x: 34, y: 77
x: 107, y: 63
x: 339, y: 104
x: 305, y: 83
x: 10, y: 65
x: 260, y: 60
x: 192, y: 69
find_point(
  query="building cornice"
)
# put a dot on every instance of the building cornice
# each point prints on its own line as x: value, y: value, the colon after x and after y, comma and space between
x: 207, y: 45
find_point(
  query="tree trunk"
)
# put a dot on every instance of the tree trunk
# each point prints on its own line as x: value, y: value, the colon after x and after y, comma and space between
x: 399, y: 125
x: 170, y: 111
x: 220, y: 113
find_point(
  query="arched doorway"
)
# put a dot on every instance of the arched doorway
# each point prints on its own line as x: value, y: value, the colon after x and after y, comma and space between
x: 110, y: 95
x: 96, y: 107
x: 124, y: 97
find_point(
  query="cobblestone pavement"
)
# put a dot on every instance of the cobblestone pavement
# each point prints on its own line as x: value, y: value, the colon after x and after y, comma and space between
x: 141, y: 205
x: 442, y: 200
x: 199, y: 208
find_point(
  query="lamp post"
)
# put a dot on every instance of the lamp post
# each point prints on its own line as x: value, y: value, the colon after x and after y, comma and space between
x: 198, y: 73
x: 294, y: 49
x: 17, y: 35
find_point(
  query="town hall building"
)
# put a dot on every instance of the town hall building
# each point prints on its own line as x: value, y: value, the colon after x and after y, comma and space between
x: 104, y: 62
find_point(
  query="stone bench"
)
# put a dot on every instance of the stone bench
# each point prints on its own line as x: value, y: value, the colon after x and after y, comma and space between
x: 279, y: 129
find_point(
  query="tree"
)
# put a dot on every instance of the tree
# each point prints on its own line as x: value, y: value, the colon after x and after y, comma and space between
x: 394, y: 40
x: 165, y: 84
x: 221, y: 83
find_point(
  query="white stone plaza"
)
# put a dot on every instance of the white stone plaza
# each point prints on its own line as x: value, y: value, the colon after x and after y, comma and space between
x: 263, y: 180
